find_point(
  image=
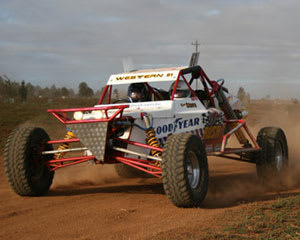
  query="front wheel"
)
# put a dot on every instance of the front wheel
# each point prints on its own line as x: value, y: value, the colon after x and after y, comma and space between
x: 272, y: 160
x: 185, y: 170
x: 24, y: 163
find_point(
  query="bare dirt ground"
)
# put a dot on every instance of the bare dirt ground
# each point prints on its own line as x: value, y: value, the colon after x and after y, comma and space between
x: 92, y: 202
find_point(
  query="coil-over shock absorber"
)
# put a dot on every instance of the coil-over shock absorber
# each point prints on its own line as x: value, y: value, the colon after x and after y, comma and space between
x: 63, y: 146
x: 151, y: 139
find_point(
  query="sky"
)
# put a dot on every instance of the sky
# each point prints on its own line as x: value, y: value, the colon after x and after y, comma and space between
x: 250, y: 43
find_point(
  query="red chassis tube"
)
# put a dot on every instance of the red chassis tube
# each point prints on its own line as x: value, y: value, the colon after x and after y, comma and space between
x: 143, y: 165
x: 242, y: 124
x: 140, y: 164
x: 59, y: 163
x: 147, y: 165
x: 61, y: 116
x: 64, y: 141
x: 150, y: 89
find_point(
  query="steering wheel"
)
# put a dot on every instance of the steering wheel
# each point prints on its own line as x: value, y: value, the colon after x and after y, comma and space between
x: 221, y: 81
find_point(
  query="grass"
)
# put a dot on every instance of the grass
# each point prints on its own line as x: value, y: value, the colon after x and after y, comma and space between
x: 34, y: 112
x: 279, y: 219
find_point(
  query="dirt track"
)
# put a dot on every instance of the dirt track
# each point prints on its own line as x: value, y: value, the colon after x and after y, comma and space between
x: 92, y: 202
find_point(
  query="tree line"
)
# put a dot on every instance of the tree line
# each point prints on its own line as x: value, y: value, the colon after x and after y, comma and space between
x: 25, y: 90
x: 12, y: 89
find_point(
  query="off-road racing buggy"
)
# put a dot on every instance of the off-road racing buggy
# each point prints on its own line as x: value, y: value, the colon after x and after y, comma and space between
x: 166, y: 136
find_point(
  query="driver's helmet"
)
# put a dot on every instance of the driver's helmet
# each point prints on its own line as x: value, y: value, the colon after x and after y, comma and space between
x: 138, y: 92
x: 182, y: 90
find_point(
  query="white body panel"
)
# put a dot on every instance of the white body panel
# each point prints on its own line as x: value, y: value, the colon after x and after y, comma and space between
x: 171, y: 117
x: 149, y: 75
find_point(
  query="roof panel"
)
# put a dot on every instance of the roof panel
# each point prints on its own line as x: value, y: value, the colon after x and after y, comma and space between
x: 147, y: 75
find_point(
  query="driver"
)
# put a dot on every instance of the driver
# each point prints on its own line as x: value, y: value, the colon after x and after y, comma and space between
x: 138, y: 92
x: 182, y: 90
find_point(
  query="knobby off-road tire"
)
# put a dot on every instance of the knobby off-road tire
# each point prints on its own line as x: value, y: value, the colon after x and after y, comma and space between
x: 185, y: 170
x: 24, y: 164
x: 272, y: 161
x: 125, y: 171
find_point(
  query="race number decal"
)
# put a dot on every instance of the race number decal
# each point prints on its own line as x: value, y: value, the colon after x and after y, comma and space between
x: 211, y: 132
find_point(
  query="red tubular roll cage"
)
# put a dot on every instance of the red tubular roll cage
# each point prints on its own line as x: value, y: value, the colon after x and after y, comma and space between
x: 196, y: 71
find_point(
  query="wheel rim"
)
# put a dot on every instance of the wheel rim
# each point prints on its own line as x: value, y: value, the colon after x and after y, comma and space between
x: 193, y: 170
x: 278, y: 156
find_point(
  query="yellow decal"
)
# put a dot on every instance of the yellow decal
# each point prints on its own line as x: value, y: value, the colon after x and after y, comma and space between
x: 211, y: 132
x: 188, y: 105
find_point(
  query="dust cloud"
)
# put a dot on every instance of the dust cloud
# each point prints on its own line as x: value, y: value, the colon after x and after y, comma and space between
x: 232, y: 182
x: 85, y: 175
x: 293, y: 175
x: 286, y: 115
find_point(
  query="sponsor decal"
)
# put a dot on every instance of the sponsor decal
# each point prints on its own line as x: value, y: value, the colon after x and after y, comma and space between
x: 212, y: 132
x: 178, y: 123
x: 145, y: 104
x: 188, y: 105
x: 197, y: 132
x: 144, y: 76
x: 212, y: 118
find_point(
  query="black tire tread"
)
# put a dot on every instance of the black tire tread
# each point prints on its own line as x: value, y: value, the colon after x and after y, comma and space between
x: 16, y: 164
x: 173, y: 175
x: 266, y: 139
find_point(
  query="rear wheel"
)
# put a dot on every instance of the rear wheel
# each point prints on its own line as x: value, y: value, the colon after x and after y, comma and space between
x: 272, y: 161
x: 24, y: 163
x: 185, y: 170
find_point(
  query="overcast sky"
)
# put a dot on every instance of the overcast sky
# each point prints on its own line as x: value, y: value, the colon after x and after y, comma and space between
x: 250, y: 43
